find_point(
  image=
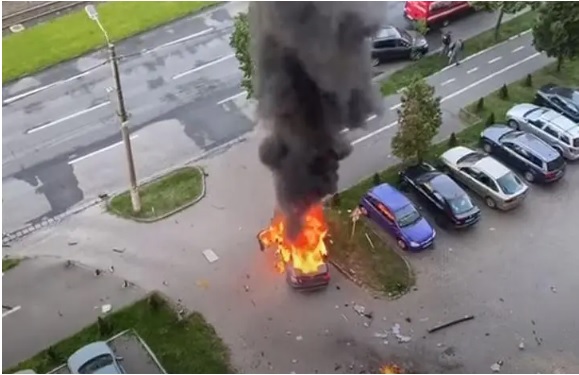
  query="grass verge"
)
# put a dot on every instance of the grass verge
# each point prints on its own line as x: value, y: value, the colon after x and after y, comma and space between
x: 433, y: 63
x: 189, y: 346
x: 162, y: 196
x: 74, y: 34
x: 9, y: 263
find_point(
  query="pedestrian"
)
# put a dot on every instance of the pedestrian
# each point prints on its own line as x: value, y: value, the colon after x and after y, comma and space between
x: 446, y: 41
x: 455, y: 52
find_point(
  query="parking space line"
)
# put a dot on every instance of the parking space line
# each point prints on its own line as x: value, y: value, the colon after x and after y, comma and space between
x: 518, y: 49
x: 495, y: 60
x: 12, y: 310
x: 200, y: 67
x: 76, y: 114
x: 223, y: 101
x: 448, y: 81
x: 81, y: 158
x: 472, y: 70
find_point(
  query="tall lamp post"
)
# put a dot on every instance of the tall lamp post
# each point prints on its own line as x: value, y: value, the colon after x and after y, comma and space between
x: 135, y: 198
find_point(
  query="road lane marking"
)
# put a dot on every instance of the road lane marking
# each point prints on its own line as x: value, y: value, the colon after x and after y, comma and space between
x: 207, y: 65
x: 518, y: 49
x: 495, y: 60
x: 223, y: 101
x: 183, y: 39
x: 81, y: 158
x: 450, y: 96
x: 472, y: 70
x: 448, y: 81
x: 395, y: 107
x: 76, y: 114
x: 12, y: 310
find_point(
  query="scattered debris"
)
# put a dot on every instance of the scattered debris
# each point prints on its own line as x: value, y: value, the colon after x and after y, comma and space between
x: 288, y: 333
x: 111, y: 269
x: 521, y: 345
x: 106, y: 308
x: 97, y: 272
x: 299, y: 338
x: 502, y: 300
x: 337, y: 306
x: 337, y: 367
x: 496, y: 367
x: 326, y: 332
x: 451, y: 323
x: 385, y: 342
x: 210, y: 255
x: 103, y: 196
x: 119, y: 250
x: 424, y: 319
x: 553, y: 289
x: 401, y: 338
x: 409, y: 320
x: 203, y: 284
x: 246, y: 287
x: 59, y: 313
x: 415, y: 288
x: 492, y: 229
x: 439, y: 345
x: 450, y: 249
x: 69, y: 263
x: 369, y: 315
x: 359, y: 309
x: 487, y: 334
x: 125, y: 284
x: 345, y: 317
x: 369, y: 241
x: 381, y: 335
x: 532, y: 322
x: 338, y: 287
x: 294, y: 361
x: 366, y: 324
x: 72, y: 243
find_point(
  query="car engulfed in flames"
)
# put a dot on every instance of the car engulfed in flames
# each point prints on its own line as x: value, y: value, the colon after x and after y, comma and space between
x: 304, y: 258
x: 391, y: 369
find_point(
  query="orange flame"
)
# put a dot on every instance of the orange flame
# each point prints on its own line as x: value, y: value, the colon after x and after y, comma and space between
x: 390, y: 369
x: 307, y: 252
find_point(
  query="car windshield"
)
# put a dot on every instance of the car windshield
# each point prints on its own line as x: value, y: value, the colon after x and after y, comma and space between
x: 96, y: 363
x: 509, y: 183
x: 460, y: 205
x: 407, y: 215
x: 473, y: 157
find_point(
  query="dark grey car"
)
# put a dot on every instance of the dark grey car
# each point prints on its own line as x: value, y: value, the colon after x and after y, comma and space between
x: 393, y: 43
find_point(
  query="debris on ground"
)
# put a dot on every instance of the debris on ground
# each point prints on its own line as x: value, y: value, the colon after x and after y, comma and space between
x: 326, y: 332
x: 72, y: 243
x: 204, y: 284
x: 126, y: 284
x: 119, y: 250
x: 111, y: 269
x: 424, y: 319
x: 451, y: 323
x: 415, y: 288
x: 450, y: 249
x: 97, y: 272
x: 359, y: 309
x: 165, y: 283
x: 401, y: 338
x: 69, y: 263
x: 496, y: 367
x: 210, y: 255
x: 381, y: 335
x: 294, y: 361
x: 299, y: 338
x: 288, y: 333
x: 408, y: 319
x: 345, y: 317
x: 338, y: 287
x: 106, y: 308
x: 246, y: 287
x: 521, y: 345
x: 553, y: 289
x: 492, y: 229
x: 439, y: 345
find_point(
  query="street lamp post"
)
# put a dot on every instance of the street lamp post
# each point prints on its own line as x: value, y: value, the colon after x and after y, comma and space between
x: 134, y: 190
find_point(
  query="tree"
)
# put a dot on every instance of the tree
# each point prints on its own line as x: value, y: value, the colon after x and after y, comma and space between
x: 240, y: 42
x: 419, y: 119
x: 556, y: 31
x: 502, y: 7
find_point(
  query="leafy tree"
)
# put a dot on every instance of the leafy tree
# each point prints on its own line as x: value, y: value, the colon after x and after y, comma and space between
x: 556, y: 31
x: 502, y: 7
x: 419, y: 119
x: 240, y: 42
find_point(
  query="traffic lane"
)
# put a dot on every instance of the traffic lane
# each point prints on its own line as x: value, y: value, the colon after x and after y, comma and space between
x: 55, y: 302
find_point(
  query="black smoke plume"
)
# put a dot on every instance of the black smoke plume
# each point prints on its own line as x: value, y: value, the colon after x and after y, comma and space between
x: 312, y: 80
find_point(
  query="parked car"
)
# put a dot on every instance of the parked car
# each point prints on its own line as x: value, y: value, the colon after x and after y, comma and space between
x: 310, y: 281
x: 95, y: 358
x: 394, y: 213
x: 435, y: 13
x: 392, y: 43
x: 534, y: 158
x: 552, y: 127
x: 564, y: 100
x: 449, y: 203
x: 496, y: 184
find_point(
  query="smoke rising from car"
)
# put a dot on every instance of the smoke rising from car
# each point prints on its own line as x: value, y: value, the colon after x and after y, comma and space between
x: 313, y: 79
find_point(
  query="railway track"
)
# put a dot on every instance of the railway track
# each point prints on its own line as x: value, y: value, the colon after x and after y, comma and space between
x: 38, y: 11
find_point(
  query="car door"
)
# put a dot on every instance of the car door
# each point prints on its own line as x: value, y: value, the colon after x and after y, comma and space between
x: 551, y: 136
x: 514, y: 156
x: 403, y: 48
x: 430, y: 198
x: 386, y: 49
x: 534, y: 127
x: 471, y: 178
x: 488, y: 187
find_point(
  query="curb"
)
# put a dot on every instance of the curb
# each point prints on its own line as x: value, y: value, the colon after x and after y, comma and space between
x: 167, y: 214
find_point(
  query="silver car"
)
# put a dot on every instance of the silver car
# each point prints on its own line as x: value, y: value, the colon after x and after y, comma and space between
x: 496, y: 184
x: 555, y: 129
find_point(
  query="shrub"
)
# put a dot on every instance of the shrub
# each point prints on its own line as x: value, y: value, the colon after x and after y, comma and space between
x: 529, y: 80
x: 104, y: 327
x: 53, y: 355
x: 490, y: 119
x: 504, y: 92
x: 155, y: 302
x: 376, y: 179
x: 480, y: 105
x: 452, y: 141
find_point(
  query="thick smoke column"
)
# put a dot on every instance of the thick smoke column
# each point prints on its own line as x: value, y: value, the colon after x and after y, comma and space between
x: 312, y: 80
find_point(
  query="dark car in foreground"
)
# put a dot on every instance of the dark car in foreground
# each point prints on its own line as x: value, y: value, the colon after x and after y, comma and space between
x: 564, y: 100
x: 393, y: 43
x: 535, y: 159
x: 449, y: 203
x: 309, y: 281
x: 395, y: 214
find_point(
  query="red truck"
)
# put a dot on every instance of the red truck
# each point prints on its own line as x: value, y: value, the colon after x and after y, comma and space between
x: 435, y: 13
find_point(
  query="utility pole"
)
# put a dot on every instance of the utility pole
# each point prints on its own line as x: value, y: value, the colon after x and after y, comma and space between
x: 134, y: 189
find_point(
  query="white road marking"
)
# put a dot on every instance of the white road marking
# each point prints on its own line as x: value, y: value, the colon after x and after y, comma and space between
x: 472, y: 70
x: 12, y: 310
x: 76, y: 114
x: 448, y: 81
x: 495, y: 60
x: 395, y: 107
x: 223, y: 101
x: 518, y: 49
x: 450, y: 96
x: 183, y: 39
x: 196, y: 69
x: 81, y: 158
x: 371, y: 117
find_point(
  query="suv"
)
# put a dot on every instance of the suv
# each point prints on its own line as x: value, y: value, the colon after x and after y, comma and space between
x: 552, y: 127
x: 392, y: 43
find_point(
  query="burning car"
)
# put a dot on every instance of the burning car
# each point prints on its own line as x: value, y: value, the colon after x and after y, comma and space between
x: 304, y: 258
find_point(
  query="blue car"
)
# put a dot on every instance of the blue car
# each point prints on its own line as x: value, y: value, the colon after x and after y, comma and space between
x: 394, y: 213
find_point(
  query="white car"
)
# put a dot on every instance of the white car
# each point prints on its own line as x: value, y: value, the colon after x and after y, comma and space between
x: 492, y: 181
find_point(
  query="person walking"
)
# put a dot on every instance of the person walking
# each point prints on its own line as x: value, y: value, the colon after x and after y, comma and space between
x: 455, y: 52
x: 446, y: 41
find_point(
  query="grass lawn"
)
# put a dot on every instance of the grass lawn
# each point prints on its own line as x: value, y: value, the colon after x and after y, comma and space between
x: 190, y: 346
x: 9, y: 263
x: 162, y: 196
x: 518, y: 92
x: 433, y: 63
x: 75, y: 34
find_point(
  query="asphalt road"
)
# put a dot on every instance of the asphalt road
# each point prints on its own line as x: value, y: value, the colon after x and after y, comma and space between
x: 61, y: 144
x: 515, y: 271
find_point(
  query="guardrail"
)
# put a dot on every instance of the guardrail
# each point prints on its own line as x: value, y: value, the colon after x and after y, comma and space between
x: 35, y: 12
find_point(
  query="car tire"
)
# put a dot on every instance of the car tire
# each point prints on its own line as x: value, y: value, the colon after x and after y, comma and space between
x: 487, y: 147
x: 513, y: 124
x: 402, y: 244
x: 529, y: 176
x: 490, y: 203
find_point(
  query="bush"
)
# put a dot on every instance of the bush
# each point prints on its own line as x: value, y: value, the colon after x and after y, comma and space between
x: 490, y: 120
x: 155, y: 302
x: 452, y: 141
x: 336, y: 200
x: 480, y: 105
x: 53, y: 355
x: 376, y: 179
x: 529, y: 80
x: 504, y: 92
x: 104, y: 326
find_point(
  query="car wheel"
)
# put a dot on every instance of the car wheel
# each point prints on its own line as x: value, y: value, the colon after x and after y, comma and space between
x: 490, y: 202
x: 513, y: 124
x: 529, y: 176
x: 375, y: 62
x: 402, y: 244
x: 416, y: 55
x: 487, y: 147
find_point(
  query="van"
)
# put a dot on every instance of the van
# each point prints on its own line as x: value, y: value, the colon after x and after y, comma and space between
x: 435, y: 13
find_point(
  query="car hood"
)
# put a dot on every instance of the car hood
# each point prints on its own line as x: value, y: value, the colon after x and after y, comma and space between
x: 419, y: 231
x: 495, y: 132
x: 418, y: 39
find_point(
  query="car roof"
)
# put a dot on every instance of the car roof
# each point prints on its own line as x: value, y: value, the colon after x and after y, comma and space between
x: 389, y: 196
x: 491, y: 167
x: 388, y: 32
x: 445, y: 186
x: 88, y: 352
x: 532, y: 143
x: 561, y: 122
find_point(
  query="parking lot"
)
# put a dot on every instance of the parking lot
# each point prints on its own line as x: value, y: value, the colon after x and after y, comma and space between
x: 136, y: 356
